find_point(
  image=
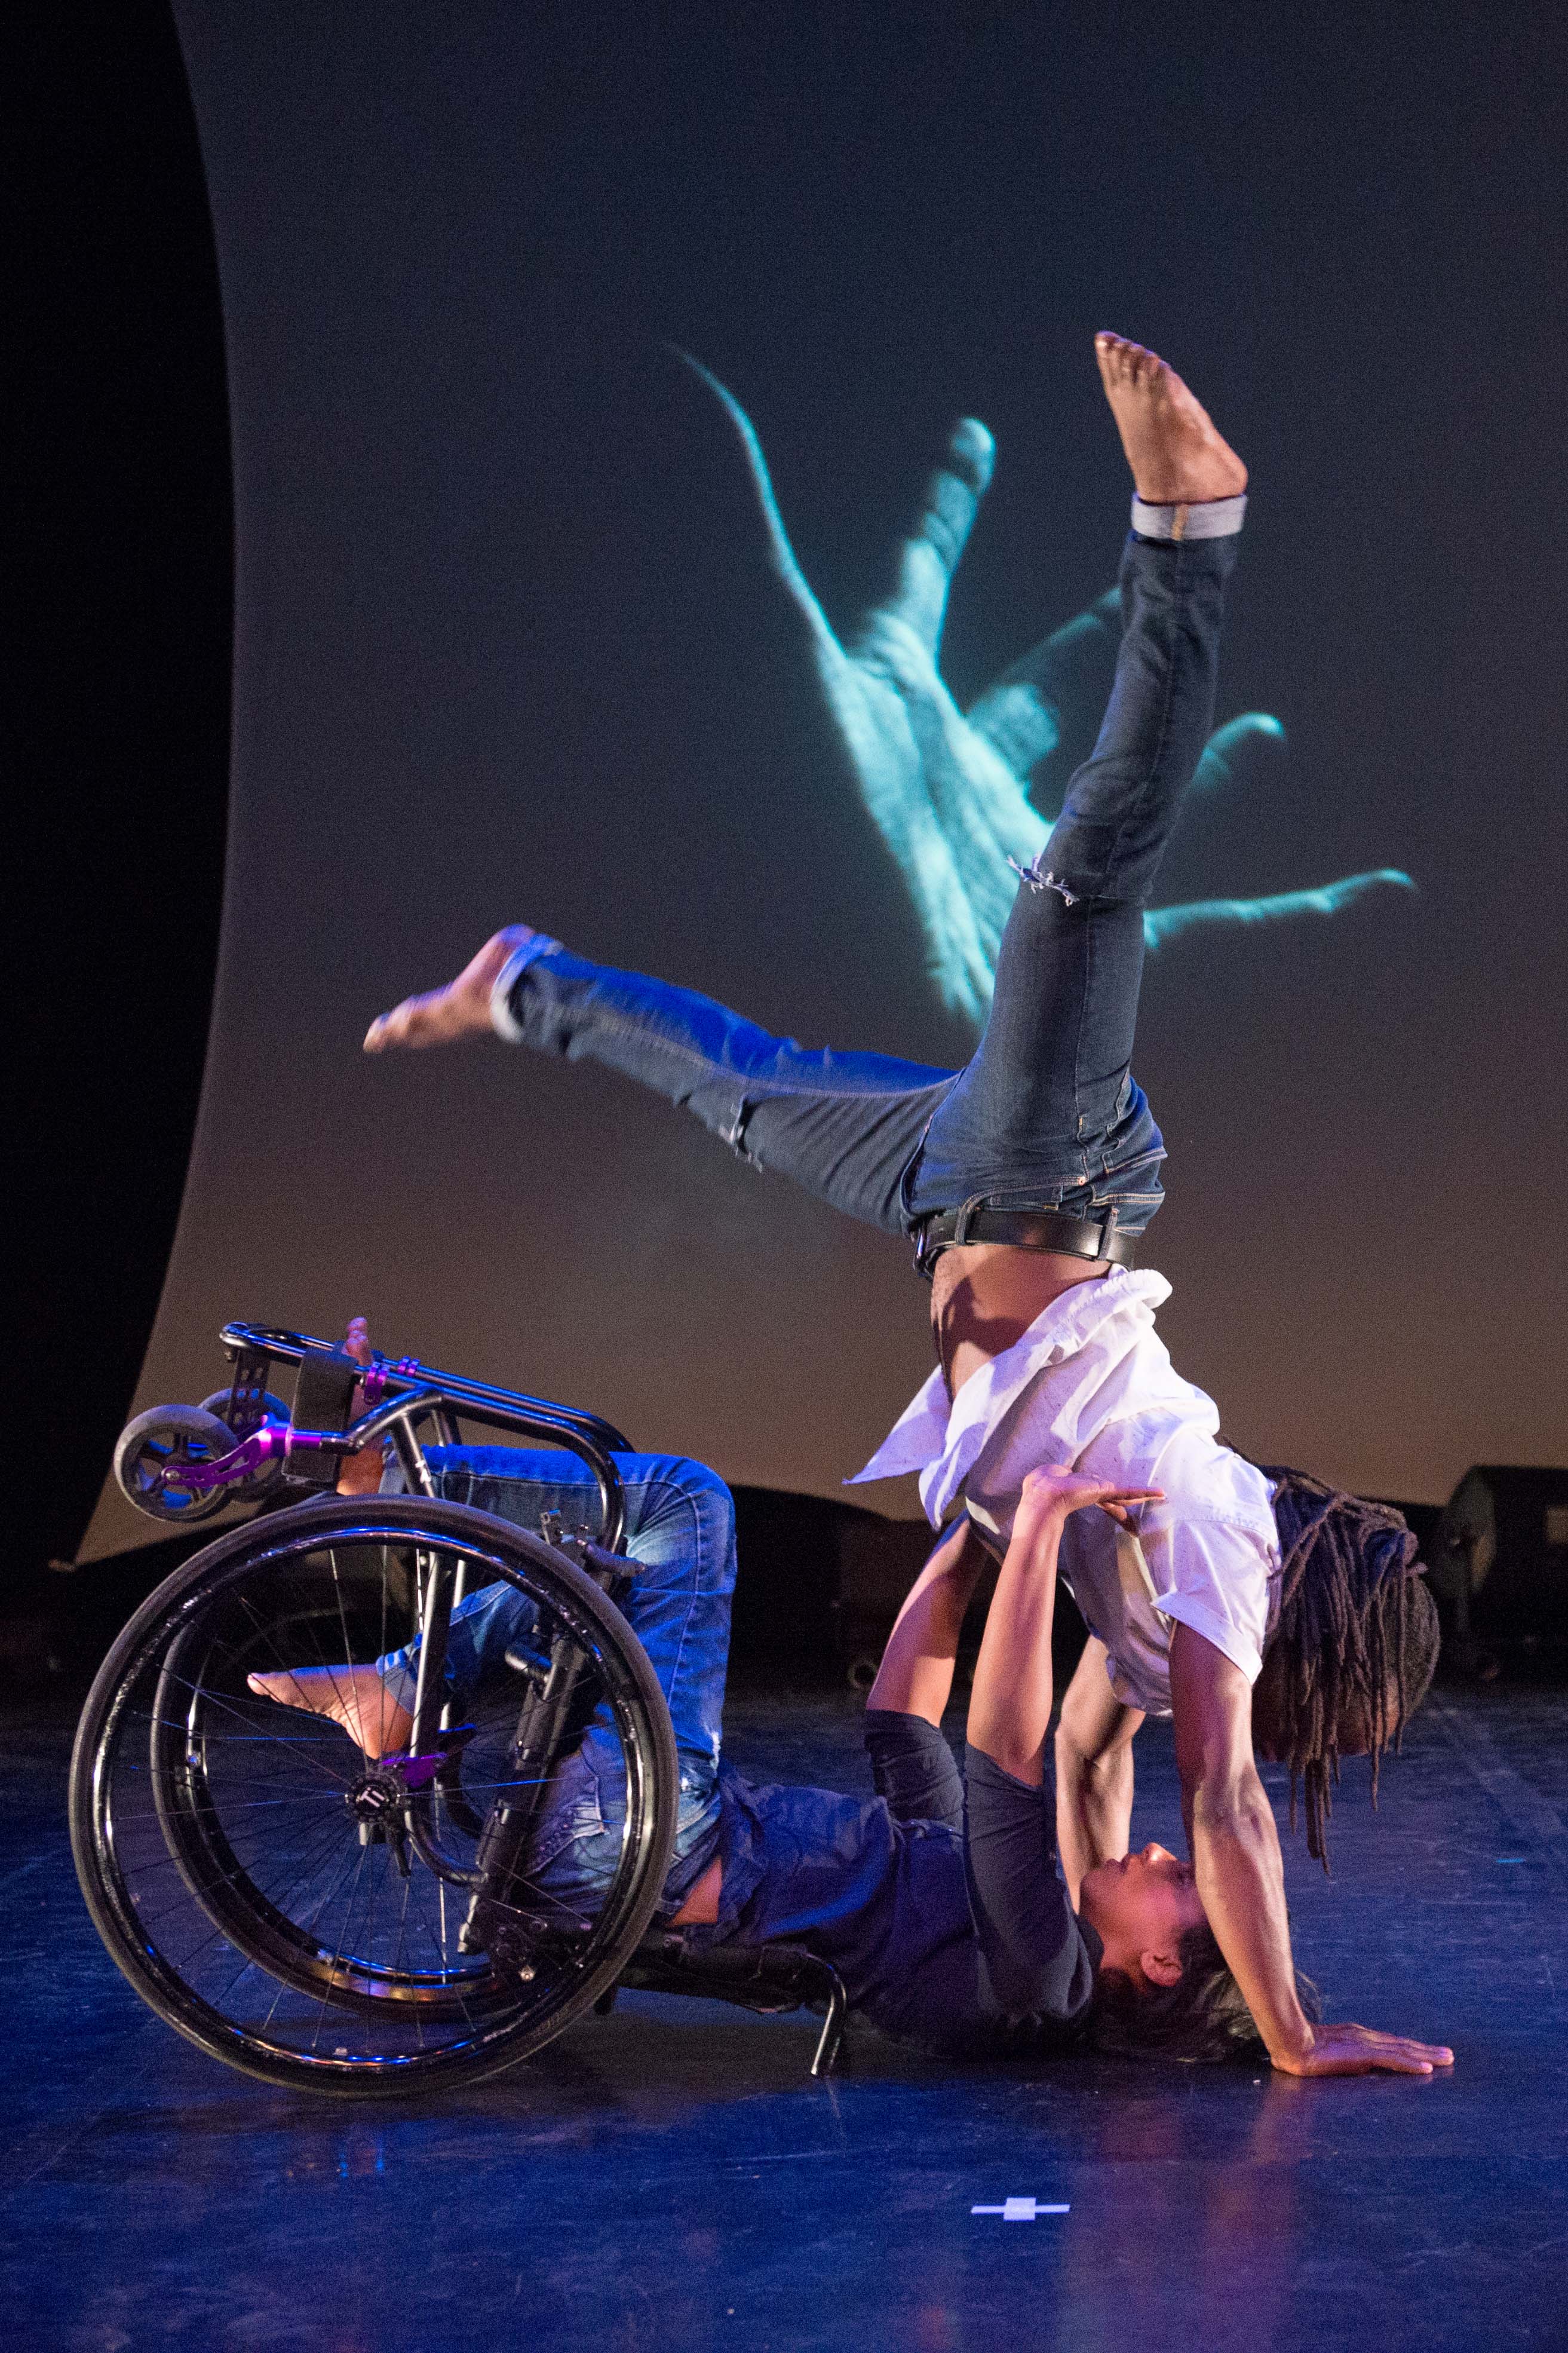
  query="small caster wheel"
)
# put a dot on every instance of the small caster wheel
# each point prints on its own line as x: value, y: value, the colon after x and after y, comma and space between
x: 155, y: 1448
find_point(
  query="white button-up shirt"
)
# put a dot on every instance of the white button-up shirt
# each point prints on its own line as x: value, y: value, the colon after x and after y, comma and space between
x: 1090, y: 1387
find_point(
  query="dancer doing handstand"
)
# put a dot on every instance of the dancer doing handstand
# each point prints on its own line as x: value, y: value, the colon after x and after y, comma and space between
x: 1250, y: 1606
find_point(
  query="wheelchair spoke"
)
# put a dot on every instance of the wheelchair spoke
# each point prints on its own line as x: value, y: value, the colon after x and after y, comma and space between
x: 225, y: 1879
x: 403, y: 1923
x: 383, y: 1647
x: 338, y: 1953
x: 247, y: 1963
x: 342, y: 1614
x: 213, y: 1700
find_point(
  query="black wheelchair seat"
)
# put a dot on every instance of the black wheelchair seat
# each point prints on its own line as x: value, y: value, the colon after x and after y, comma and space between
x: 767, y: 1979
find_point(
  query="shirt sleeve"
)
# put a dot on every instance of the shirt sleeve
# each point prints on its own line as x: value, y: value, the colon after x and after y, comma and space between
x: 912, y: 1768
x: 1214, y: 1578
x: 1038, y: 1958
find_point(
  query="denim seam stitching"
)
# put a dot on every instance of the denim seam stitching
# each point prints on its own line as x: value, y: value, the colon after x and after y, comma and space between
x: 617, y: 1025
x: 1153, y: 767
x: 688, y: 1504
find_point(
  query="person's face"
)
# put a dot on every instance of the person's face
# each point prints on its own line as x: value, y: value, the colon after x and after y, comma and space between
x: 1141, y: 1905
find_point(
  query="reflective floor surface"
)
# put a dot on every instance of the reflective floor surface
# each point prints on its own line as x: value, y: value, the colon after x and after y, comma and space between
x: 669, y: 2177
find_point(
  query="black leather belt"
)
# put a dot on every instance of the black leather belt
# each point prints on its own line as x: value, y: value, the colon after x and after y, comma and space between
x: 1040, y: 1230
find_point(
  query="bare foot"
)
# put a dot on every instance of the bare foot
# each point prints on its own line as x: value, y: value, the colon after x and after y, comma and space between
x: 461, y: 1010
x: 1177, y: 458
x: 355, y: 1697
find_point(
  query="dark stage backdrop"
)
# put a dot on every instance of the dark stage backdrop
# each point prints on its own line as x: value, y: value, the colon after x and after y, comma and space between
x: 507, y: 647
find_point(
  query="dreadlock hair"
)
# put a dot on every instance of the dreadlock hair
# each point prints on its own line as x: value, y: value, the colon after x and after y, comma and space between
x: 1357, y: 1636
x: 1203, y: 2017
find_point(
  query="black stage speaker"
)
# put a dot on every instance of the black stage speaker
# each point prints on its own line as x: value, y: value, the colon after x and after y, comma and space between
x: 1499, y: 1559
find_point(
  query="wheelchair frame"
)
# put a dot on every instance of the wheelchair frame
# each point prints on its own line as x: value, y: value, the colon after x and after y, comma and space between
x: 402, y: 1395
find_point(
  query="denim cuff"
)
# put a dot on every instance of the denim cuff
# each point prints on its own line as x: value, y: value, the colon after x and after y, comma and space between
x: 504, y: 1020
x: 1207, y: 519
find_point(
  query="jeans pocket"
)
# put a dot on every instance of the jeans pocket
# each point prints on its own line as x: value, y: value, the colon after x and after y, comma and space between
x: 697, y: 1810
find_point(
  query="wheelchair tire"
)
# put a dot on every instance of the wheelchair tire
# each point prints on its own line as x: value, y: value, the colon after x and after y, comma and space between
x: 156, y: 1446
x: 252, y: 1873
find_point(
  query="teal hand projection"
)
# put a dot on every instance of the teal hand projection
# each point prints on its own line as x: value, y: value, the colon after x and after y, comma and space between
x: 950, y: 789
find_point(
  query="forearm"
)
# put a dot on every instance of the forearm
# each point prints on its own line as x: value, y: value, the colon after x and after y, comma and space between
x: 1094, y: 1768
x: 1010, y: 1702
x: 1241, y: 1879
x: 1236, y: 1856
x: 915, y: 1677
x: 1235, y: 1847
x: 1094, y: 1807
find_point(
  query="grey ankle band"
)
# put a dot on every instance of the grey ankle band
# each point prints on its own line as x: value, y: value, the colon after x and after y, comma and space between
x: 502, y: 1020
x: 1207, y: 519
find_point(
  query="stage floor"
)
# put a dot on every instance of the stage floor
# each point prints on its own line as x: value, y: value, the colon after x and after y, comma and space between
x: 669, y: 2177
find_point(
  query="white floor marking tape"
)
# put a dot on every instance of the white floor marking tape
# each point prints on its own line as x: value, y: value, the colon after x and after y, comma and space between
x: 1020, y: 2210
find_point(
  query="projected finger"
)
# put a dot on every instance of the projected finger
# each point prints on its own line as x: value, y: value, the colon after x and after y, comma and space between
x: 1225, y: 754
x: 781, y: 555
x: 1023, y: 713
x: 1164, y: 924
x: 927, y: 558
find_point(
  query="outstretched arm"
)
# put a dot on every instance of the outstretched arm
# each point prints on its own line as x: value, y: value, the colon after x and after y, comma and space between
x: 911, y: 1763
x: 1241, y: 1879
x: 1036, y: 1959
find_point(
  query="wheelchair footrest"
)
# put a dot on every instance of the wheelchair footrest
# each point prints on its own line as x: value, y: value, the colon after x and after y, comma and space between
x: 763, y: 1977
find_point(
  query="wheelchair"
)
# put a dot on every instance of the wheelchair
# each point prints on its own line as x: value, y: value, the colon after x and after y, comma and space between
x: 369, y: 1928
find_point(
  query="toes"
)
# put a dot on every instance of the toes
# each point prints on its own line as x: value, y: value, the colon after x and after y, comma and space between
x: 1123, y: 362
x: 393, y: 1028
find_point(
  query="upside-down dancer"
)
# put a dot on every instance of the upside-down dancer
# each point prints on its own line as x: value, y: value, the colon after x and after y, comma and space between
x: 1253, y: 1608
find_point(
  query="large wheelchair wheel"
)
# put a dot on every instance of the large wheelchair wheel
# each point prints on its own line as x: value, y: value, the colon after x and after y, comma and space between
x: 310, y: 1916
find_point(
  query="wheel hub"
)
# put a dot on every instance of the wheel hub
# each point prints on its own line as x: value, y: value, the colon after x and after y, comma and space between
x: 379, y: 1797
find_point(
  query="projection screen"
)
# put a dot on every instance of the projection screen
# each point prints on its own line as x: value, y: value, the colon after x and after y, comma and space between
x: 512, y: 643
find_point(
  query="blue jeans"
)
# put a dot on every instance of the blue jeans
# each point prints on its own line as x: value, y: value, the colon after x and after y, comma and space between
x: 1048, y: 1113
x: 680, y: 1529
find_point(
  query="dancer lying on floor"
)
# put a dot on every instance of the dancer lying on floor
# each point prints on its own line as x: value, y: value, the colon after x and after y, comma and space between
x: 1023, y: 1180
x: 939, y: 1902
